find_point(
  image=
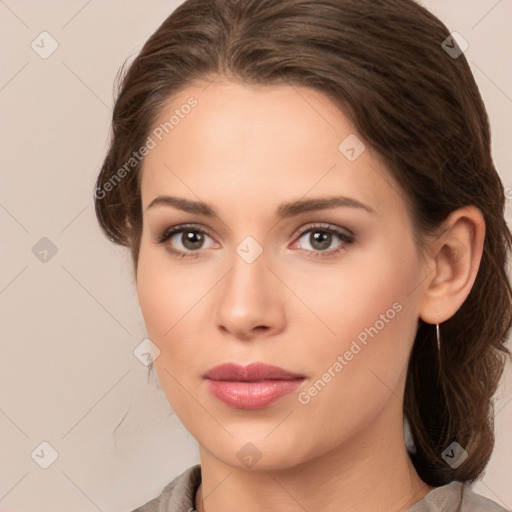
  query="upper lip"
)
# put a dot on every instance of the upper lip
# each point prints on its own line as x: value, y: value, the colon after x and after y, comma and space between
x: 252, y: 372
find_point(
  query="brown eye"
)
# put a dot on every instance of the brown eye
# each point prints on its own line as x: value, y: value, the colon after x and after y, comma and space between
x: 185, y: 241
x: 321, y: 239
x: 192, y: 240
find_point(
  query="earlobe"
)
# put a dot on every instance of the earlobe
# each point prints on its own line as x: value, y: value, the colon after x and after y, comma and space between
x: 454, y: 258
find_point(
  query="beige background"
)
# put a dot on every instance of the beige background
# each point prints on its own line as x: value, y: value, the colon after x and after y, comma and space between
x: 70, y: 324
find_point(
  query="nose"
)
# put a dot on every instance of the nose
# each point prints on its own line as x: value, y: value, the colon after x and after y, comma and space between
x: 249, y: 301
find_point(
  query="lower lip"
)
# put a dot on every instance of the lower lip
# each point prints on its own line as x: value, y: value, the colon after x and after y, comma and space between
x: 251, y: 395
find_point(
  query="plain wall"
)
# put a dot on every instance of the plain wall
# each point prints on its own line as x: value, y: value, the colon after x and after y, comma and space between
x: 68, y: 308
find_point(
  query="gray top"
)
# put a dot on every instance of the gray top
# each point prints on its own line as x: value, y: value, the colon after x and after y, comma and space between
x: 179, y: 496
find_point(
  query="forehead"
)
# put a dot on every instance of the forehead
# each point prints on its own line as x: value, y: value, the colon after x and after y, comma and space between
x: 227, y: 141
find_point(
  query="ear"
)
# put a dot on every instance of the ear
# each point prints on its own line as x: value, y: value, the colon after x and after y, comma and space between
x: 453, y: 260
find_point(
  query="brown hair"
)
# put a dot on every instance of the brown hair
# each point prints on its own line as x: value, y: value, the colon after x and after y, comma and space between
x: 382, y: 62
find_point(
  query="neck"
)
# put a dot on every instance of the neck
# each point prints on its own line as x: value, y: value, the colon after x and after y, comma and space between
x: 368, y: 471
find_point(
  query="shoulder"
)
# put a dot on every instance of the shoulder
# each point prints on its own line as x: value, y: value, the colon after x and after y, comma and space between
x: 455, y: 497
x: 178, y: 495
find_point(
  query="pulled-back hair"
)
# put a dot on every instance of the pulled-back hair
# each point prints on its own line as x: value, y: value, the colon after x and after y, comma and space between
x: 382, y: 62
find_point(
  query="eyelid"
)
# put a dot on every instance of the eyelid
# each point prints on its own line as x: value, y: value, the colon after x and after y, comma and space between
x: 325, y: 226
x: 183, y: 227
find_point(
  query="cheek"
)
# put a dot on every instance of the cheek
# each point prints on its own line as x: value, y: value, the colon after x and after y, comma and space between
x: 352, y: 295
x: 152, y: 296
x: 370, y: 312
x: 160, y: 296
x: 172, y: 297
x: 165, y: 296
x: 357, y: 370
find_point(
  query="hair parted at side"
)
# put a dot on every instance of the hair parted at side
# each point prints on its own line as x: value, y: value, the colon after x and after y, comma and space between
x: 382, y: 63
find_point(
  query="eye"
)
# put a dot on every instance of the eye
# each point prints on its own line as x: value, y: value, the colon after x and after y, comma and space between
x: 320, y: 238
x: 183, y: 241
x: 187, y: 241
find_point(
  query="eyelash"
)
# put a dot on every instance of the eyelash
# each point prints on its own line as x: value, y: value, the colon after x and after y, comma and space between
x: 324, y: 228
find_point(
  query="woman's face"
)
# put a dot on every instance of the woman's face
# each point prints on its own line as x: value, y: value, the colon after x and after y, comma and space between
x: 328, y: 294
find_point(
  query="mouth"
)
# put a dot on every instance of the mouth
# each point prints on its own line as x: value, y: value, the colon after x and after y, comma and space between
x: 255, y: 386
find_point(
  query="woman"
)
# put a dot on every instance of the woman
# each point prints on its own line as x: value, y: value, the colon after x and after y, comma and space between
x: 319, y: 247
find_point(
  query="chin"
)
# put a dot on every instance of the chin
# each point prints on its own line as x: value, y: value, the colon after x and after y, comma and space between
x: 255, y: 453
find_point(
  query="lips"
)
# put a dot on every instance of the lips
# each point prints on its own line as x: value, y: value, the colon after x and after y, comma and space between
x: 252, y: 373
x: 255, y: 386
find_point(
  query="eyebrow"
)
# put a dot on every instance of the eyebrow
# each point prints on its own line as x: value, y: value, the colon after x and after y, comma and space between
x: 283, y: 211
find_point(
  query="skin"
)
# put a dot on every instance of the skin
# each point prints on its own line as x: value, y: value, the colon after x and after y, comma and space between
x: 245, y: 150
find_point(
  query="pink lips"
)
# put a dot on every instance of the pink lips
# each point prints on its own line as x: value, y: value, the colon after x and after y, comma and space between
x: 255, y: 386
